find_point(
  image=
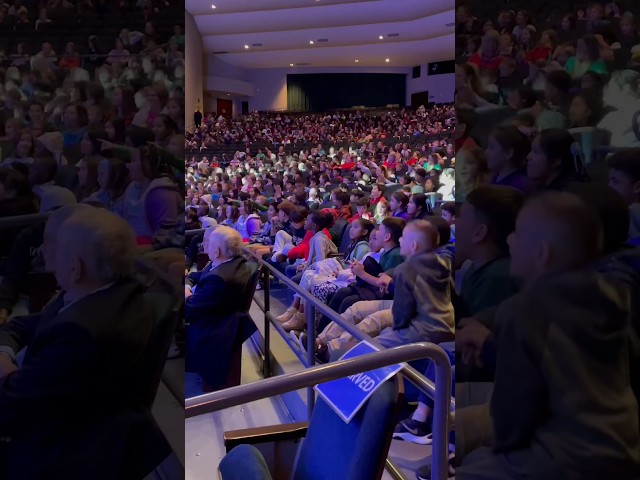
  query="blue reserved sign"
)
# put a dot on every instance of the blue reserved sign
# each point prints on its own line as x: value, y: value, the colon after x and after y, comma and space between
x: 346, y: 396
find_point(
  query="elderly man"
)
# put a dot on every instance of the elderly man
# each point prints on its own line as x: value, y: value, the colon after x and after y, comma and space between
x: 211, y: 306
x: 221, y: 289
x: 80, y: 386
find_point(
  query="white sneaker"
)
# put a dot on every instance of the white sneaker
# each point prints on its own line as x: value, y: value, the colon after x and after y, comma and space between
x: 288, y: 315
x: 297, y: 322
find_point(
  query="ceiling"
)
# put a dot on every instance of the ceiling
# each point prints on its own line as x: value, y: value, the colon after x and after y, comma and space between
x: 284, y: 28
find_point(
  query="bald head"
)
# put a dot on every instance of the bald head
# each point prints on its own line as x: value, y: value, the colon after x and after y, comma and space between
x: 554, y: 231
x: 49, y: 241
x: 224, y: 244
x: 95, y: 248
x: 419, y: 236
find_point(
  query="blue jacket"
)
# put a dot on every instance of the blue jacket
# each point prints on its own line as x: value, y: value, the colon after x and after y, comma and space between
x: 217, y: 319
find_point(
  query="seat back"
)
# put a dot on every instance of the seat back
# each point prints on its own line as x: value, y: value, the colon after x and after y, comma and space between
x: 345, y: 241
x: 67, y: 177
x: 252, y: 284
x: 391, y: 189
x: 41, y: 288
x: 202, y: 260
x: 589, y: 139
x: 488, y: 119
x: 359, y: 448
x: 432, y: 198
x: 337, y: 229
x: 166, y: 317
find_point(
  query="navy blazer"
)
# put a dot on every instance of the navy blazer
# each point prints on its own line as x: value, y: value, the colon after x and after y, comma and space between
x: 218, y: 319
x: 80, y: 389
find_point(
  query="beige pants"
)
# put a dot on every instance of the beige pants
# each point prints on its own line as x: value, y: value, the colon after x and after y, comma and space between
x: 473, y: 418
x: 370, y: 317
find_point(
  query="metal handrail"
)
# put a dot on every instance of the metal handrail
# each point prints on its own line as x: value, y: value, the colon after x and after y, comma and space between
x: 191, y: 233
x: 250, y: 392
x: 444, y: 418
x: 444, y: 404
x: 410, y: 372
x: 22, y: 220
x: 211, y: 402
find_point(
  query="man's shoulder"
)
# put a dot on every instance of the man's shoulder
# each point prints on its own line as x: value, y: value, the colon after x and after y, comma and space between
x: 236, y: 266
x: 121, y: 303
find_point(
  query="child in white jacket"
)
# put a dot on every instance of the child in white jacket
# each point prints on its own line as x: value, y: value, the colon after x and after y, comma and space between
x: 320, y: 248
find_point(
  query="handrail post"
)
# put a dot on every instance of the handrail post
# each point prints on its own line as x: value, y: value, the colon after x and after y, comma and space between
x: 442, y: 401
x: 310, y: 313
x: 266, y: 366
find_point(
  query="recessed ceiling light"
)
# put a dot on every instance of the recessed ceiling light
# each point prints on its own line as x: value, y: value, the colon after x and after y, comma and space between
x: 387, y: 60
x: 246, y: 46
x: 291, y: 64
x: 357, y: 60
x: 381, y: 37
x: 310, y: 42
x: 213, y: 6
x: 228, y: 94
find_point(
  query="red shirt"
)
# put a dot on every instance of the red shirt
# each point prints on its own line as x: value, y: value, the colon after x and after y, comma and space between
x: 302, y: 250
x: 70, y: 62
x: 367, y: 216
x: 482, y: 62
x: 465, y: 142
x: 538, y: 53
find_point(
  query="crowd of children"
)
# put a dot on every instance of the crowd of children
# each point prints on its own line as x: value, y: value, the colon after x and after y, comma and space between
x: 546, y: 318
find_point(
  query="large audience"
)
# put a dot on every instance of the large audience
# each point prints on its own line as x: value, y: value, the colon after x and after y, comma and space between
x: 310, y: 129
x: 355, y: 207
x: 548, y: 182
x: 91, y: 125
x: 92, y: 145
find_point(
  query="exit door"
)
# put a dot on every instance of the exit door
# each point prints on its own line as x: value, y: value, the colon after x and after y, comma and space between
x: 225, y: 107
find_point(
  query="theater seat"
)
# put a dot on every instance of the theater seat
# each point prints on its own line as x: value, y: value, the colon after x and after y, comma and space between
x: 203, y: 259
x: 391, y: 189
x: 487, y: 119
x: 214, y: 348
x: 345, y: 240
x: 358, y: 449
x: 67, y: 177
x: 337, y: 230
x: 41, y: 288
x: 590, y: 140
x: 166, y: 316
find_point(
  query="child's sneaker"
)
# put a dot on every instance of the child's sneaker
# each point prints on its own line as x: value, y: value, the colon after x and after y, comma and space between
x: 413, y: 431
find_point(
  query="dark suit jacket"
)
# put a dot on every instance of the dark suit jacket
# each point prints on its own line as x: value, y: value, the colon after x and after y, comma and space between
x: 194, y: 277
x: 215, y: 329
x: 79, y: 393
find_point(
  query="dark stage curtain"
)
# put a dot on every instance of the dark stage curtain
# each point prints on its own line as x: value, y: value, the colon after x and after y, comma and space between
x: 320, y: 92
